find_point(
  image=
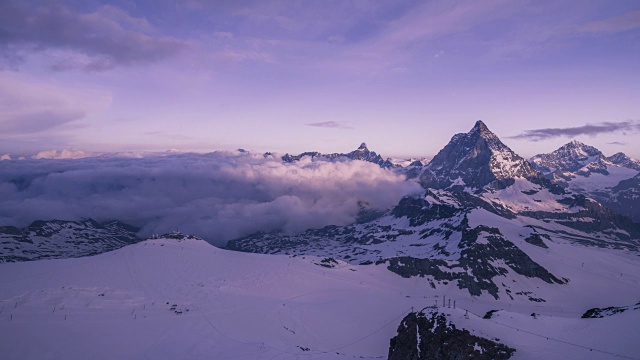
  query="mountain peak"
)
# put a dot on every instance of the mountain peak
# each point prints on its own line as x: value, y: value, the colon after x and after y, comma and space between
x: 363, y: 146
x: 474, y: 160
x: 570, y: 157
x: 481, y: 128
x: 622, y: 159
x: 575, y: 144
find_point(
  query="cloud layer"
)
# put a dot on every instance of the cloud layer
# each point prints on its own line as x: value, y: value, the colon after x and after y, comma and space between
x: 218, y: 196
x: 588, y: 129
x: 331, y: 124
x: 94, y: 41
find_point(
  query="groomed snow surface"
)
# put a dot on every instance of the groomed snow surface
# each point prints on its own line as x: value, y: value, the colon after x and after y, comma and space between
x: 185, y: 299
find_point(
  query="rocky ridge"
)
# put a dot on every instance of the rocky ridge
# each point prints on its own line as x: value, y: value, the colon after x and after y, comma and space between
x: 429, y: 335
x: 57, y: 239
x: 361, y: 153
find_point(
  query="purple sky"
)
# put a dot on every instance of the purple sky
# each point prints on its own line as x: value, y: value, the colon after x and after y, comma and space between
x: 293, y: 76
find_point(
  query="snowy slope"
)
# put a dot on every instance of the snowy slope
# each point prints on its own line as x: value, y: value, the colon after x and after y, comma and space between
x: 170, y: 299
x: 599, y: 182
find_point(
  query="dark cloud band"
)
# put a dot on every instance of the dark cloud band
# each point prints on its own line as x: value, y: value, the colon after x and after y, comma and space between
x: 588, y: 129
x: 331, y: 125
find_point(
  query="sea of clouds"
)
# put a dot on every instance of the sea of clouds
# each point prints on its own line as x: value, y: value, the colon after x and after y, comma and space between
x: 218, y: 196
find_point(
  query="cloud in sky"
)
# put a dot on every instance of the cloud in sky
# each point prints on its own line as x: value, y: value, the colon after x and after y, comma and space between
x: 223, y: 69
x: 218, y: 196
x: 331, y: 124
x: 588, y: 129
x: 99, y: 40
x: 32, y: 108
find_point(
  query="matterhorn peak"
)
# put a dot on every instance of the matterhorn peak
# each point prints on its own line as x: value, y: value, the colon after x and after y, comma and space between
x: 474, y: 160
x: 363, y: 146
x: 481, y: 128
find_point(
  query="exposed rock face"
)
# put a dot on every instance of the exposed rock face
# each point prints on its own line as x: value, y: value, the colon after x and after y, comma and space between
x: 430, y: 336
x: 477, y: 266
x: 474, y: 160
x: 57, y: 239
x: 625, y: 198
x: 536, y: 239
x: 596, y: 313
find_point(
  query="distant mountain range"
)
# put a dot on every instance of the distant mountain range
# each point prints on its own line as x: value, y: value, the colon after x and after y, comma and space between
x: 57, y: 239
x: 361, y: 153
x: 480, y: 198
x: 575, y: 166
x: 483, y: 211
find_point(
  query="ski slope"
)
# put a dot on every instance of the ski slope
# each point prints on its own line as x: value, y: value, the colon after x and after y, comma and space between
x: 185, y: 299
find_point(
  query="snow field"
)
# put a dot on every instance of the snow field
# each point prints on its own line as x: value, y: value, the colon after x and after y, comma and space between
x: 170, y: 299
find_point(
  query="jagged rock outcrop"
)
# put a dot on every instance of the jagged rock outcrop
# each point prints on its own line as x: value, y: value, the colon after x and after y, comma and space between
x: 429, y: 336
x: 597, y: 313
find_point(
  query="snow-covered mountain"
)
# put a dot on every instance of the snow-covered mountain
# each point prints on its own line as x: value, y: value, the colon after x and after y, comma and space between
x: 57, y: 239
x: 584, y: 169
x: 623, y: 160
x: 570, y: 157
x: 484, y: 210
x: 474, y: 160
